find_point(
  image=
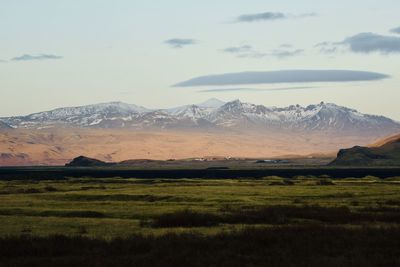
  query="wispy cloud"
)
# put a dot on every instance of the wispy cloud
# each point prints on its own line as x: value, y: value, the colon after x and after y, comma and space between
x: 395, y: 30
x: 266, y: 16
x: 271, y: 16
x: 238, y: 49
x: 247, y: 51
x: 227, y: 90
x: 364, y: 43
x: 244, y: 51
x: 28, y: 57
x: 283, y: 76
x: 180, y: 43
x: 327, y: 47
x: 286, y: 46
x: 281, y: 53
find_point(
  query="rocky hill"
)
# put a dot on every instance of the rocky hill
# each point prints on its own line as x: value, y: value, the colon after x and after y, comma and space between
x: 387, y: 154
x: 83, y: 161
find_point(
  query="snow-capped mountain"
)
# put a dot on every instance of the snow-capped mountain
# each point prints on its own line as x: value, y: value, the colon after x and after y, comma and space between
x: 321, y: 117
x: 197, y: 111
x: 4, y: 125
x: 234, y: 115
x: 84, y: 116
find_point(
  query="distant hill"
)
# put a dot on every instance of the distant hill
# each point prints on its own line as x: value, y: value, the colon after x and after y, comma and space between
x: 384, y: 141
x: 83, y: 161
x: 383, y: 153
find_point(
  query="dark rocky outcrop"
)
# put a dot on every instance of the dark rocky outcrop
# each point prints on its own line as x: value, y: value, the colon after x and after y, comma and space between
x: 387, y: 154
x: 83, y: 161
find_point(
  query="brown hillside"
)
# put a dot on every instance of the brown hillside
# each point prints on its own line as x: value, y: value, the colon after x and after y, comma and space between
x: 384, y: 141
x: 57, y: 147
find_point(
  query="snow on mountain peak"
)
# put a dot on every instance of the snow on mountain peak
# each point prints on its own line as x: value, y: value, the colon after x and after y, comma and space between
x: 4, y: 125
x: 211, y: 113
x: 117, y: 105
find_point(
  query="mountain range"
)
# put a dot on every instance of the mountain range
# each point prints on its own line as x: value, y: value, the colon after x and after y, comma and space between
x: 212, y: 114
x: 115, y: 131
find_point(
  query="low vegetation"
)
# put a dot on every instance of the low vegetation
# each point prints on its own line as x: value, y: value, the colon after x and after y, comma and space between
x: 274, y: 246
x: 278, y: 215
x: 306, y: 221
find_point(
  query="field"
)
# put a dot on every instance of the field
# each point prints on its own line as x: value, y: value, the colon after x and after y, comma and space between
x: 110, y: 208
x: 303, y: 221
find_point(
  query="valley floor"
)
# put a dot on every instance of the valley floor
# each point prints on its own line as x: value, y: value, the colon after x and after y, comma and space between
x: 305, y: 221
x: 29, y: 147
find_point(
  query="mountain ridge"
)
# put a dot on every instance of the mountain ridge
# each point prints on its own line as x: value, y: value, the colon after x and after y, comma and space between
x: 212, y: 114
x: 4, y: 125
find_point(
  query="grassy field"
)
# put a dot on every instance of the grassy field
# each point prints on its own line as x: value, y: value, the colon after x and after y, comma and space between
x: 208, y: 212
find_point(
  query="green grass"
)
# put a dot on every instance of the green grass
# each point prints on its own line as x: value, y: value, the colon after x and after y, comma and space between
x: 118, y: 208
x: 306, y: 221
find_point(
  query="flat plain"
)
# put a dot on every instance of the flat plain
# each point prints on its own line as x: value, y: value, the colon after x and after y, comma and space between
x: 114, y: 207
x: 29, y: 147
x: 202, y: 217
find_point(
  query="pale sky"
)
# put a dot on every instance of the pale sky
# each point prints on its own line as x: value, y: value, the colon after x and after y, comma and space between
x: 77, y: 52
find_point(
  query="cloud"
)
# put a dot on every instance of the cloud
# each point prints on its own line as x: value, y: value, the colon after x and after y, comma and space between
x: 238, y: 49
x: 244, y: 51
x: 247, y: 51
x: 364, y: 43
x: 283, y: 76
x: 286, y: 46
x: 28, y: 57
x: 327, y: 47
x: 306, y: 15
x: 180, y: 43
x: 370, y: 42
x: 280, y: 53
x: 270, y: 16
x: 227, y: 90
x: 261, y: 17
x: 395, y: 30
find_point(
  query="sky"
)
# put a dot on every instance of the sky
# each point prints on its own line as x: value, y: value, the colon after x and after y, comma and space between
x: 162, y: 54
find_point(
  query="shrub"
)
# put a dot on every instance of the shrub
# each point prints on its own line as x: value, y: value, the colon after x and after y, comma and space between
x: 186, y: 218
x: 277, y: 183
x: 50, y: 189
x: 31, y: 191
x: 288, y: 182
x: 259, y: 215
x: 73, y: 214
x: 325, y: 182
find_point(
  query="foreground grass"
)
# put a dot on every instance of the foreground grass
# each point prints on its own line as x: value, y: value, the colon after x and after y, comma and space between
x: 274, y: 246
x: 307, y: 221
